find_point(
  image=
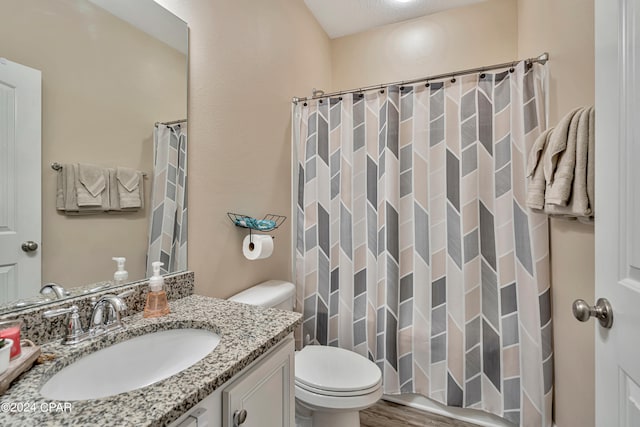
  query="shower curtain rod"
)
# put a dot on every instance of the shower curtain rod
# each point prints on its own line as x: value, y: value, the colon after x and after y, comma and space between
x: 174, y: 122
x: 542, y: 59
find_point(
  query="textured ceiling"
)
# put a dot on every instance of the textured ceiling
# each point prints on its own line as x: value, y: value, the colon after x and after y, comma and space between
x: 343, y: 17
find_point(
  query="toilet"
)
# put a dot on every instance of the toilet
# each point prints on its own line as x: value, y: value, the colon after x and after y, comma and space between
x: 331, y: 384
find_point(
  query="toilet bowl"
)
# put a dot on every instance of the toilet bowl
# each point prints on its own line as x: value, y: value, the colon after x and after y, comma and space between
x: 334, y: 384
x: 331, y: 384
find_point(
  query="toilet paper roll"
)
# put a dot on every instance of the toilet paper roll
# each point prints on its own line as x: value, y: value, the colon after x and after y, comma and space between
x: 257, y: 246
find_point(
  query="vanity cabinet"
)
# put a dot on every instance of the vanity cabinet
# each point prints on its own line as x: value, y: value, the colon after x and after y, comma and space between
x: 264, y: 395
x: 261, y: 395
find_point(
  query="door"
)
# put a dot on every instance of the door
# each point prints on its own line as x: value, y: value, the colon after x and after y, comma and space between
x: 20, y: 165
x: 264, y: 396
x: 617, y: 212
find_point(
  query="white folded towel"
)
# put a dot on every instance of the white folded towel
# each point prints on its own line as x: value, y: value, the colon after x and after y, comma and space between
x: 130, y: 187
x: 70, y: 198
x: 560, y: 168
x: 61, y: 187
x: 567, y: 195
x: 90, y: 185
x: 559, y: 189
x: 591, y: 162
x: 535, y: 171
x: 67, y: 194
x: 557, y: 145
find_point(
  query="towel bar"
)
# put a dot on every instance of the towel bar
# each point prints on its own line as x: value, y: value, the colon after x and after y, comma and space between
x: 57, y: 167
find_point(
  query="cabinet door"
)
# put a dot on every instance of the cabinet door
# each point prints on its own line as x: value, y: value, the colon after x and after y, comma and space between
x: 265, y: 391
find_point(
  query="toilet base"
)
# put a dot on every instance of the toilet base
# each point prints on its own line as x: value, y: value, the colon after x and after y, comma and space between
x: 317, y: 417
x: 333, y: 419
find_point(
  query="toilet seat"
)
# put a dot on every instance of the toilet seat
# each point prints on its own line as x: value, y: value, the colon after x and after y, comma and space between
x: 320, y: 402
x: 346, y: 393
x: 333, y: 371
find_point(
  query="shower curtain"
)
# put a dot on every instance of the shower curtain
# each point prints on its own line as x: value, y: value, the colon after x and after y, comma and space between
x: 168, y: 226
x: 414, y: 245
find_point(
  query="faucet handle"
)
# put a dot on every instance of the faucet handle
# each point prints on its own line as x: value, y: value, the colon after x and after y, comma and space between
x: 125, y: 294
x: 60, y: 311
x: 75, y: 333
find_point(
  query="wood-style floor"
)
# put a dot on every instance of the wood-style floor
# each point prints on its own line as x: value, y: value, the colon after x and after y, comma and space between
x: 389, y: 414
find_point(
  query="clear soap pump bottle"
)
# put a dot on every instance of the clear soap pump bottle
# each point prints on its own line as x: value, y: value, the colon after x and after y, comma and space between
x: 157, y: 304
x: 120, y: 276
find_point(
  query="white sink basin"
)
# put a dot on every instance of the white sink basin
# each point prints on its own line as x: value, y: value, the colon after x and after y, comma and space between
x: 131, y: 364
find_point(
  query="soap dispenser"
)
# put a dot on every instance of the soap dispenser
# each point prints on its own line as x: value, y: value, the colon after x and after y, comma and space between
x: 157, y: 304
x: 120, y: 276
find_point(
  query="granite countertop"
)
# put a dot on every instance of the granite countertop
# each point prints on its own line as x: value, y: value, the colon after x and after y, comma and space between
x: 246, y: 332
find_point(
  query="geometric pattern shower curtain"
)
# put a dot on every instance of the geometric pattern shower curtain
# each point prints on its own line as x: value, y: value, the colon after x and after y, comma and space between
x: 414, y: 245
x: 168, y: 226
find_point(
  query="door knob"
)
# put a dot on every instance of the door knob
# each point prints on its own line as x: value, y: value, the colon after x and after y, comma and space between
x: 601, y: 311
x: 239, y: 417
x: 29, y: 246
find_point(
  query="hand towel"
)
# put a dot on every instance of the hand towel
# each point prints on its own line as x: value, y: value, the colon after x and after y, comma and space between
x: 577, y: 205
x: 70, y: 199
x: 557, y: 145
x: 591, y: 162
x: 61, y: 187
x: 559, y: 190
x: 114, y: 199
x: 130, y: 188
x: 70, y: 183
x: 113, y: 192
x: 535, y: 171
x: 90, y: 184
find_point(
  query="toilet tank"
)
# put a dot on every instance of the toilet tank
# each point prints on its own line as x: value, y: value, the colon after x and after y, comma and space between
x: 272, y: 293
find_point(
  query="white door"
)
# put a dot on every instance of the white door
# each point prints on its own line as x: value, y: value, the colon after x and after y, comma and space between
x: 617, y: 212
x: 20, y: 211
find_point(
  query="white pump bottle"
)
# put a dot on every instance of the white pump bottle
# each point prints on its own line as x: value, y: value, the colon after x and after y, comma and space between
x: 121, y: 275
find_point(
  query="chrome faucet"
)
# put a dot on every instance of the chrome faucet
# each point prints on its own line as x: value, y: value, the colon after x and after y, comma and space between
x: 105, y: 318
x: 107, y: 311
x: 58, y: 290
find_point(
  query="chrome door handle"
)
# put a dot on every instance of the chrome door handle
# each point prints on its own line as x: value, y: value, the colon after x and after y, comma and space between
x: 29, y: 246
x: 601, y: 311
x: 239, y: 417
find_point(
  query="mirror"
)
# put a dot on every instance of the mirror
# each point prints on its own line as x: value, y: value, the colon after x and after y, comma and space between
x: 110, y: 70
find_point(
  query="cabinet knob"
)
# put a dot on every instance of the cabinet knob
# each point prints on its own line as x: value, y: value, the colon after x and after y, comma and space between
x: 239, y: 417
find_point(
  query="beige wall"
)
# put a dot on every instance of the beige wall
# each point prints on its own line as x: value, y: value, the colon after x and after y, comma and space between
x: 104, y: 85
x: 482, y: 34
x: 247, y: 59
x: 566, y: 30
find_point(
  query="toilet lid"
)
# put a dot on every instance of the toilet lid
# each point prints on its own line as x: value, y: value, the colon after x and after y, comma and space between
x: 335, y: 369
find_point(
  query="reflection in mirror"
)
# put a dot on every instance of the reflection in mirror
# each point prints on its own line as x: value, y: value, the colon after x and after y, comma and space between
x: 111, y: 72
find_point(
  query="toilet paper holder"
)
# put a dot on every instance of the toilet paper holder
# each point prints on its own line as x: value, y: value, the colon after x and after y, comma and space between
x: 269, y: 223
